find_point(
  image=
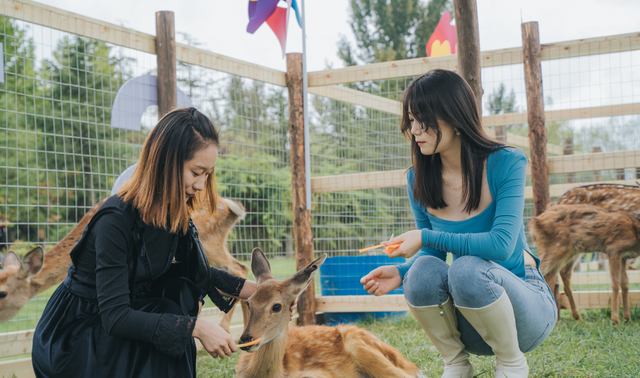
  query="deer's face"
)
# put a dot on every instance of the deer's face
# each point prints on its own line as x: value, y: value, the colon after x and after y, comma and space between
x: 269, y: 305
x: 15, y: 281
x: 269, y: 313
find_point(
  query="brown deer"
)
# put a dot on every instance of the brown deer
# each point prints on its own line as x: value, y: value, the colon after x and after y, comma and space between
x: 607, y: 196
x: 563, y: 232
x: 17, y: 286
x: 310, y: 351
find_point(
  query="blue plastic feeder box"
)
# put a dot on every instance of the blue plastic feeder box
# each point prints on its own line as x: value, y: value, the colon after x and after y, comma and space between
x: 341, y: 276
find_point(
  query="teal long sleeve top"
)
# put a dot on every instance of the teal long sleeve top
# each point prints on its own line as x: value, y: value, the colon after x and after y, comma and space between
x: 496, y: 234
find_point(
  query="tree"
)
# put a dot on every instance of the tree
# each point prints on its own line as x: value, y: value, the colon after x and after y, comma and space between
x: 390, y: 30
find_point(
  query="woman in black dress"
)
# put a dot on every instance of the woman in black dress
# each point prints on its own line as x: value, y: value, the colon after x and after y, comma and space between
x: 129, y: 305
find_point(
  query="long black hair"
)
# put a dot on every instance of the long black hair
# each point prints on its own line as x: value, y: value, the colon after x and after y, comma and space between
x: 444, y: 96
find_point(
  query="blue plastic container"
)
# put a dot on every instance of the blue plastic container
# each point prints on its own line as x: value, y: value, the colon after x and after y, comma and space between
x: 341, y: 276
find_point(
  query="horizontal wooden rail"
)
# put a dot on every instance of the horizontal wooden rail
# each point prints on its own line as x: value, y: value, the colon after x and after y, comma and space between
x: 390, y: 303
x: 557, y: 164
x: 523, y: 142
x: 74, y: 23
x: 418, y: 66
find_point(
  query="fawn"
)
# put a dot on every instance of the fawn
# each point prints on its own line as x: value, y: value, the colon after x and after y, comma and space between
x: 563, y: 232
x: 310, y: 351
x: 21, y: 281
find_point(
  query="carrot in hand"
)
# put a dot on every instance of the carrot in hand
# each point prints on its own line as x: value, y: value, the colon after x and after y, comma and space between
x: 390, y: 248
x: 250, y: 343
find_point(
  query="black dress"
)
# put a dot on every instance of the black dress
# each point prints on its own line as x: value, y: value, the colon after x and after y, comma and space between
x: 95, y: 326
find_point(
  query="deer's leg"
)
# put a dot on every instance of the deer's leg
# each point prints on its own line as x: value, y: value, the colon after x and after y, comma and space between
x: 565, y: 274
x: 375, y: 364
x: 624, y: 285
x: 615, y: 264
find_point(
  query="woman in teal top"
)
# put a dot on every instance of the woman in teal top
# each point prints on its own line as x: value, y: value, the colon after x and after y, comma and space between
x: 467, y: 196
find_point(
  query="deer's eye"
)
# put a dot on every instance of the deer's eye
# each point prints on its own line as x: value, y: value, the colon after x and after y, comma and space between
x: 277, y: 307
x: 3, y: 294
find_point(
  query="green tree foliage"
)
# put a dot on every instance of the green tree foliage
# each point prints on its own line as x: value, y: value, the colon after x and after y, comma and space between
x: 57, y: 151
x: 390, y: 30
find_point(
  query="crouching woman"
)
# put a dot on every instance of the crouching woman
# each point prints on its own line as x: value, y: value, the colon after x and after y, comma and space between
x: 467, y: 196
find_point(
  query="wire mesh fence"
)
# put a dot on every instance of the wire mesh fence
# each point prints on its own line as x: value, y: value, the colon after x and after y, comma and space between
x: 60, y: 153
x: 591, y: 99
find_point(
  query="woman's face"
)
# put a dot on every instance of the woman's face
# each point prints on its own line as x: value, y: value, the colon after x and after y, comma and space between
x: 198, y: 169
x: 427, y: 140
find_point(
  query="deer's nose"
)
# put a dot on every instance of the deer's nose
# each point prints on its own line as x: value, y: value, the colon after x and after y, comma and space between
x: 245, y: 339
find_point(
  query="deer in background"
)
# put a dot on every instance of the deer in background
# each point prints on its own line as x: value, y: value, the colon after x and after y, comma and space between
x: 311, y: 351
x: 563, y: 232
x: 21, y: 281
x: 606, y: 196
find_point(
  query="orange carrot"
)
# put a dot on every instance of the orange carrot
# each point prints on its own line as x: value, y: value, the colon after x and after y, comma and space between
x: 250, y: 343
x: 396, y: 245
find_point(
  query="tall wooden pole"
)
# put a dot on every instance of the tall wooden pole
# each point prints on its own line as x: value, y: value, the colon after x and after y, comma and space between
x: 166, y: 56
x: 468, y: 36
x: 535, y: 116
x: 568, y: 150
x: 302, y: 238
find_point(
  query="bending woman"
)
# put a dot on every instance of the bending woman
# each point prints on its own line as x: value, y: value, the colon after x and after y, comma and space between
x: 467, y: 196
x: 129, y: 305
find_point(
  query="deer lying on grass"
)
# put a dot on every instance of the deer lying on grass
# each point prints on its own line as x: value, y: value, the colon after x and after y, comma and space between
x: 563, y: 232
x: 21, y: 281
x: 310, y: 351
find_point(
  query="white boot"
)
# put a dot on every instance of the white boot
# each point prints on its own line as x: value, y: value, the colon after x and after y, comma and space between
x: 441, y: 325
x: 497, y: 326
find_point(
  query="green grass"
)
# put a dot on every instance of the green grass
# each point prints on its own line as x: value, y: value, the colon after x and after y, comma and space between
x: 591, y: 348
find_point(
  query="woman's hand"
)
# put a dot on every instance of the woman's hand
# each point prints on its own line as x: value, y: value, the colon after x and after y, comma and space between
x: 411, y: 244
x: 382, y: 280
x: 214, y: 339
x: 294, y: 305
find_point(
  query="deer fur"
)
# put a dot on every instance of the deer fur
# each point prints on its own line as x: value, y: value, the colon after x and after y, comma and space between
x: 563, y: 232
x: 19, y: 285
x: 607, y: 196
x: 312, y: 351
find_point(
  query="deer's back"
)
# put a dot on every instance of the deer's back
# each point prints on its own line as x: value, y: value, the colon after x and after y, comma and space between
x: 608, y: 196
x: 584, y: 228
x: 335, y: 349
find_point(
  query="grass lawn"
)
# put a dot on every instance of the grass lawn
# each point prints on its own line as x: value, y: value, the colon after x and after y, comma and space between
x: 591, y: 348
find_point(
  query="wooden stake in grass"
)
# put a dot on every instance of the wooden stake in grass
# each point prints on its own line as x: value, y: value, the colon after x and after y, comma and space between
x: 250, y: 343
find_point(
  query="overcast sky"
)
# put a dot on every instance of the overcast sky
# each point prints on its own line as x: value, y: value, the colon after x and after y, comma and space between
x: 220, y: 25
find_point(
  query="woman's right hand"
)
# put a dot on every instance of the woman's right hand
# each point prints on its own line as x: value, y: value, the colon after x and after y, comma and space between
x: 214, y: 339
x: 382, y: 280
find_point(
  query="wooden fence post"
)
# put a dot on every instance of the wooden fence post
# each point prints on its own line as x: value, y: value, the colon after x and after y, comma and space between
x: 302, y: 237
x: 568, y: 150
x: 597, y: 175
x: 535, y: 116
x: 468, y: 36
x: 166, y: 58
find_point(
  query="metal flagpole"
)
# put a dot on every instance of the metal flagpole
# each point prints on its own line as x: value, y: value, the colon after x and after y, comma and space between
x: 305, y: 105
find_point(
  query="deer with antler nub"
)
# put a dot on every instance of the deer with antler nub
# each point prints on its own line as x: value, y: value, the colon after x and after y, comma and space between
x: 344, y: 351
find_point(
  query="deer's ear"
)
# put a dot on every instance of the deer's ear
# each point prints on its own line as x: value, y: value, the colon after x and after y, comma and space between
x: 11, y: 260
x: 260, y: 266
x: 299, y: 281
x: 32, y: 262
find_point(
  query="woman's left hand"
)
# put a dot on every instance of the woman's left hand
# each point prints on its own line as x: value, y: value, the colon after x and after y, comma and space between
x: 411, y: 244
x: 293, y: 308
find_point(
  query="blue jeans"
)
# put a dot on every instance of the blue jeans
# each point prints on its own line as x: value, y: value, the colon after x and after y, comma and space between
x: 473, y: 282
